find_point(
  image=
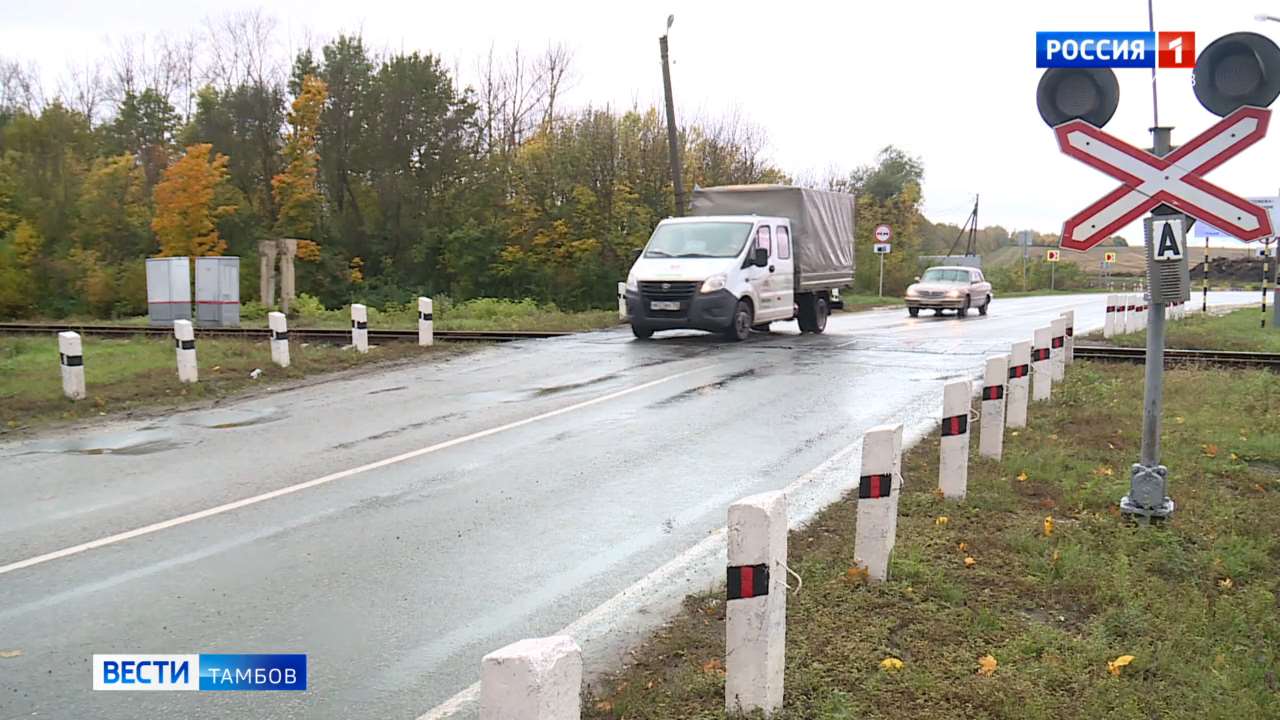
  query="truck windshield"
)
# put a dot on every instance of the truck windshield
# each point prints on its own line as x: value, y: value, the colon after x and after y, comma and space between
x: 945, y: 275
x: 698, y: 239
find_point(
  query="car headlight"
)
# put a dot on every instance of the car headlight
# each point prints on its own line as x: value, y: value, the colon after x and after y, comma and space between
x: 912, y: 291
x: 954, y: 293
x: 632, y: 284
x: 714, y: 283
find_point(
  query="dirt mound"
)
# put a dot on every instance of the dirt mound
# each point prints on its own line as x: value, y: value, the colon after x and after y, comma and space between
x: 1232, y: 270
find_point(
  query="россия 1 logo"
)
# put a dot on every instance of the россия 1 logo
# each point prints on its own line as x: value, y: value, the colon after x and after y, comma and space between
x: 1115, y: 49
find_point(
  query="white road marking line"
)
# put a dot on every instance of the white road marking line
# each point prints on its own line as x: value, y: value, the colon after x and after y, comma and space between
x: 237, y: 504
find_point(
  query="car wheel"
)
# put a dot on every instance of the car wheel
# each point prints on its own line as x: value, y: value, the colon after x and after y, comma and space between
x: 642, y: 332
x: 913, y: 312
x: 964, y: 309
x: 985, y: 305
x: 743, y: 318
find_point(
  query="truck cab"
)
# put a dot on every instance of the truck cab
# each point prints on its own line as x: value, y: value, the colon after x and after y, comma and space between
x: 725, y: 273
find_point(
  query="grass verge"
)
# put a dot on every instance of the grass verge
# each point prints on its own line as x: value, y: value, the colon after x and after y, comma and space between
x: 1237, y: 330
x: 124, y: 375
x: 1193, y: 601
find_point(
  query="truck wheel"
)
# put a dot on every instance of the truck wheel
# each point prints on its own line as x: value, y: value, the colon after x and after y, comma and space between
x: 743, y: 318
x: 642, y: 332
x: 913, y: 312
x: 820, y: 314
x: 986, y: 304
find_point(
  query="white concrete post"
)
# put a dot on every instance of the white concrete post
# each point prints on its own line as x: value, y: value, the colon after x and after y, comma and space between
x: 1058, y: 349
x: 1109, y: 323
x: 535, y: 679
x: 953, y: 470
x: 1130, y: 313
x: 1069, y: 351
x: 279, y: 325
x: 879, y: 486
x: 991, y: 442
x: 360, y: 327
x: 622, y: 301
x: 1019, y: 380
x: 1041, y: 365
x: 184, y: 342
x: 426, y: 323
x: 71, y: 358
x: 756, y: 608
x: 1142, y: 312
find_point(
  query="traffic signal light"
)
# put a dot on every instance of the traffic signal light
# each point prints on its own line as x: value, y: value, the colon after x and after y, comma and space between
x: 1236, y: 70
x: 1089, y: 94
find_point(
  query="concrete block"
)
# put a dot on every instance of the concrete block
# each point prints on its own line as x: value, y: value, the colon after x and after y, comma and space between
x: 184, y: 341
x: 1058, y: 349
x: 71, y: 360
x: 1109, y: 320
x: 360, y: 327
x: 622, y: 301
x: 953, y: 469
x: 1041, y: 365
x: 279, y: 325
x: 879, y: 486
x: 535, y: 679
x: 756, y: 611
x: 1070, y: 348
x: 426, y: 323
x: 1019, y: 385
x: 994, y: 384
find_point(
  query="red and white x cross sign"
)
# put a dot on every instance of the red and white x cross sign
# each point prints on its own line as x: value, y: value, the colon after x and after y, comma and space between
x: 1175, y: 180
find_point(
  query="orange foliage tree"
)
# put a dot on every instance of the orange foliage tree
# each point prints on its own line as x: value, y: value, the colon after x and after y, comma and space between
x: 296, y: 193
x: 185, y: 207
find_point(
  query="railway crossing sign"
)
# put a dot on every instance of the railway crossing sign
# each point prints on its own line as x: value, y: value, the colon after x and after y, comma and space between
x: 1175, y: 180
x: 1052, y: 255
x: 1109, y: 258
x: 1170, y: 239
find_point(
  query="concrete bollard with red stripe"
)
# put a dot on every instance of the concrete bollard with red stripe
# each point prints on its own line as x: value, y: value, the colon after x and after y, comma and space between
x: 535, y: 679
x: 184, y: 341
x: 1019, y: 382
x: 71, y: 360
x: 360, y: 327
x: 1131, y: 313
x: 279, y: 338
x: 879, y: 486
x: 994, y: 380
x: 426, y: 323
x: 1041, y: 365
x: 953, y: 469
x: 1069, y: 350
x: 756, y: 606
x: 1109, y: 320
x: 1058, y: 349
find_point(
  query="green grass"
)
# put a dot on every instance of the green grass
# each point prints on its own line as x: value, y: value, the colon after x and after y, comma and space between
x: 140, y: 373
x: 1193, y: 600
x: 1239, y: 330
x: 856, y: 302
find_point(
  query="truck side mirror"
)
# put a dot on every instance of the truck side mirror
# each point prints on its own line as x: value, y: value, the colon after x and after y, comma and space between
x: 761, y: 258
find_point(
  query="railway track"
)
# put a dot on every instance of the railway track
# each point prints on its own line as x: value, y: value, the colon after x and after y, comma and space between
x: 306, y: 334
x: 1175, y: 356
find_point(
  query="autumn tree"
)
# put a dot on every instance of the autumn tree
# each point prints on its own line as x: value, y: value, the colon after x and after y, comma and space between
x: 296, y: 194
x: 185, y: 206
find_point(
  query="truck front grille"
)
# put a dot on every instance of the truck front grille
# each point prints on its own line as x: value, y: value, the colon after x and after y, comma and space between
x: 665, y: 290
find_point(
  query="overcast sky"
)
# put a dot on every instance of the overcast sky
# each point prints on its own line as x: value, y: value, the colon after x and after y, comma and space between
x: 831, y: 83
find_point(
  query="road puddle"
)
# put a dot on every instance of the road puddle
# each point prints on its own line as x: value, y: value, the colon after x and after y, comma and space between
x: 138, y: 442
x: 229, y: 418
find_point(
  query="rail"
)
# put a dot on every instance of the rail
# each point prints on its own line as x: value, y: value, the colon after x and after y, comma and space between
x: 1174, y: 356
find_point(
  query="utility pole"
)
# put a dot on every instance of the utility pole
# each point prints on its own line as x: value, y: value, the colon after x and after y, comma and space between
x: 672, y: 138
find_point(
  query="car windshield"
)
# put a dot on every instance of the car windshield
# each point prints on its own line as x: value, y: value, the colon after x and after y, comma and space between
x: 698, y: 239
x: 945, y: 275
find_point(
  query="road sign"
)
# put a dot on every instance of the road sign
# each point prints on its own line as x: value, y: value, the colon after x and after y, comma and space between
x: 882, y: 248
x: 1176, y: 179
x: 1170, y: 239
x: 883, y: 233
x: 1109, y: 258
x: 1269, y: 202
x: 1052, y: 255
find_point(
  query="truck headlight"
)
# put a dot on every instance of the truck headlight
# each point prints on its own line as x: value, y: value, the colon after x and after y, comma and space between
x: 713, y: 283
x: 632, y: 284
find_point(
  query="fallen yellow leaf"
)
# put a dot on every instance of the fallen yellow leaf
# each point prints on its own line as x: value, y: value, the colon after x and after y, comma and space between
x: 1210, y: 450
x: 987, y: 665
x: 1235, y: 457
x: 1103, y: 471
x: 1055, y: 557
x: 855, y: 574
x: 1225, y: 583
x: 1048, y: 525
x: 604, y: 706
x: 941, y: 520
x: 1179, y: 419
x: 970, y: 562
x: 713, y: 666
x: 1113, y: 666
x: 891, y: 664
x: 963, y: 547
x: 1014, y: 433
x: 1022, y: 476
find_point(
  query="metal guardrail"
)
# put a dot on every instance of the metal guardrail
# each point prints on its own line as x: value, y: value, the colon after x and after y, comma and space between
x: 1173, y: 356
x: 310, y: 334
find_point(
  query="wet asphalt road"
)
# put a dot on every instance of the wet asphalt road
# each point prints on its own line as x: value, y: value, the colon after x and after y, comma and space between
x: 516, y: 489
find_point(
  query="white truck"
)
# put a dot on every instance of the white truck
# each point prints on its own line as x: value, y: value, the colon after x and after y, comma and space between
x: 747, y: 256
